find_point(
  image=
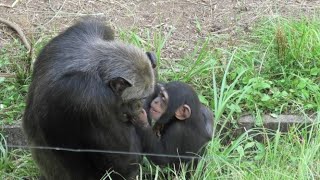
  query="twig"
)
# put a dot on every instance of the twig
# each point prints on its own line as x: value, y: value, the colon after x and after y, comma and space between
x: 10, y: 6
x: 56, y: 13
x: 4, y: 5
x: 7, y: 75
x: 18, y: 30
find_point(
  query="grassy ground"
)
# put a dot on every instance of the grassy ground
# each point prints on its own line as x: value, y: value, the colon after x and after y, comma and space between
x: 275, y: 69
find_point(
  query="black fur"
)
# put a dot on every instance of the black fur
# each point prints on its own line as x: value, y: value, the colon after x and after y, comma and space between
x: 178, y: 137
x: 75, y: 102
x: 153, y: 59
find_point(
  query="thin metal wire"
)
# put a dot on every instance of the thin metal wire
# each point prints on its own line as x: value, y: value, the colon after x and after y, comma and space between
x: 104, y: 151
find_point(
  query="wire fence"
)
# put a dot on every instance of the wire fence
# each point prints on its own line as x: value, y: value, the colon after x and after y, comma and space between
x: 191, y: 156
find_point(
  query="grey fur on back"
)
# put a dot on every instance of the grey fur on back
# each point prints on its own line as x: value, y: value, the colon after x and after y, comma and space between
x: 98, y: 53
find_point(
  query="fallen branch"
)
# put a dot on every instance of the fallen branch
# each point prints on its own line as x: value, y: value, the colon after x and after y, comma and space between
x: 10, y: 6
x: 18, y: 30
x: 7, y: 75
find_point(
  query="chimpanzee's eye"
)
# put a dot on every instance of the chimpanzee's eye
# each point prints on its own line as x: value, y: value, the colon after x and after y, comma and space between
x: 163, y: 95
x: 163, y: 98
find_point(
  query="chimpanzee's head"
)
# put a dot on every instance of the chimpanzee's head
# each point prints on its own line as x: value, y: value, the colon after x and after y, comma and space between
x: 173, y: 100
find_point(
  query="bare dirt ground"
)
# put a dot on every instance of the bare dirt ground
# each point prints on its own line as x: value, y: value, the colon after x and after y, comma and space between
x: 191, y: 20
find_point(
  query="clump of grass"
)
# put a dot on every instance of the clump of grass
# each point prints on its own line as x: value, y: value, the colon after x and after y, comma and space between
x: 147, y: 40
x: 294, y: 155
x: 3, y: 153
x: 14, y: 60
x: 282, y: 62
x: 16, y: 164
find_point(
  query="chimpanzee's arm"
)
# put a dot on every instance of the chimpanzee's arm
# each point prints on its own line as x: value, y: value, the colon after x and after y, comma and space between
x: 75, y: 102
x: 170, y: 143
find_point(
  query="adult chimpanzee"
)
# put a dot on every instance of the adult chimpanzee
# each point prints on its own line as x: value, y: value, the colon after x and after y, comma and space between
x: 83, y: 82
x: 182, y: 124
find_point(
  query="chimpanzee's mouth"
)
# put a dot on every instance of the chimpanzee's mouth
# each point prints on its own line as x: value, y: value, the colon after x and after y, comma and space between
x: 153, y: 110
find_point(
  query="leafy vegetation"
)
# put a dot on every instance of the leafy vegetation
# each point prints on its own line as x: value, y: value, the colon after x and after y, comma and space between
x: 282, y: 62
x: 13, y: 62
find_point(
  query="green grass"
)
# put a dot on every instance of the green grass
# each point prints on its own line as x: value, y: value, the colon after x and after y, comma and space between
x: 274, y: 70
x: 282, y: 63
x: 13, y: 60
x: 15, y: 164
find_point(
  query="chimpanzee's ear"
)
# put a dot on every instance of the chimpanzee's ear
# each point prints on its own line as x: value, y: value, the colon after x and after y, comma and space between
x: 118, y: 85
x: 183, y: 112
x: 152, y: 58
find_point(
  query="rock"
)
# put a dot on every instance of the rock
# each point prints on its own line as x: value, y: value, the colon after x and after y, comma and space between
x: 13, y: 135
x: 283, y: 122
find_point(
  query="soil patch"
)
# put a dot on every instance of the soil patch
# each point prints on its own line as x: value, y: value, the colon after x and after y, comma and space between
x: 191, y: 20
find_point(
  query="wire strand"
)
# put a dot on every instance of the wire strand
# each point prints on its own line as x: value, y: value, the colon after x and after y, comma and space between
x: 104, y: 151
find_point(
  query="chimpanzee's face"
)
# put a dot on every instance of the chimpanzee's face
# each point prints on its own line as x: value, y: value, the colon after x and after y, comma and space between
x: 159, y: 104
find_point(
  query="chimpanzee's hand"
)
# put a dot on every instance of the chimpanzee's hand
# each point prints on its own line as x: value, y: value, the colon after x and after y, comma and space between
x: 141, y: 120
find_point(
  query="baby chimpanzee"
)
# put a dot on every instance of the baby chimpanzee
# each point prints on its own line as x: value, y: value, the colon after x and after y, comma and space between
x: 182, y: 125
